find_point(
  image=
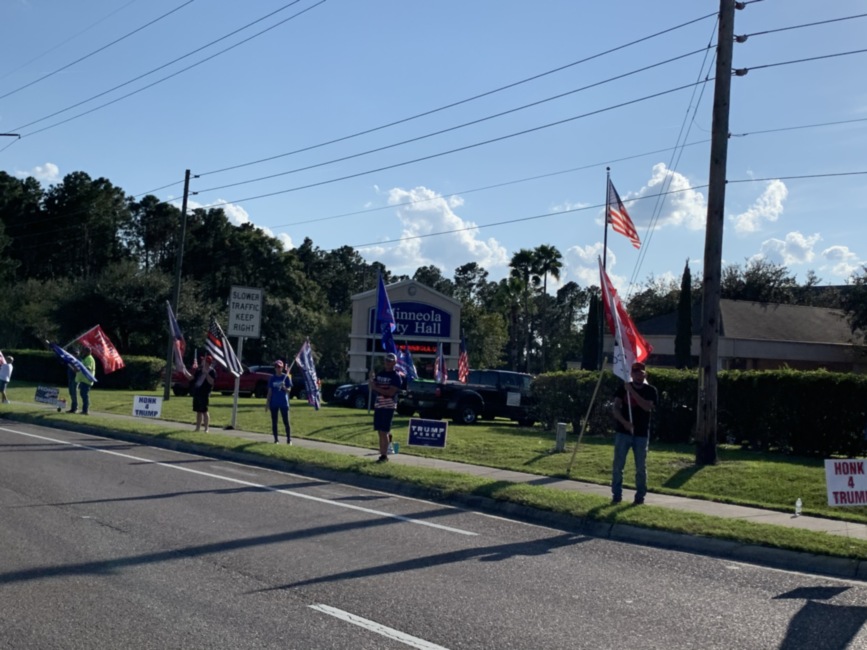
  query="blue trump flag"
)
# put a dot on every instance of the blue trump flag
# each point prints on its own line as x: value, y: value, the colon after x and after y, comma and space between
x: 385, y: 318
x: 70, y: 360
x: 304, y: 359
x: 405, y: 364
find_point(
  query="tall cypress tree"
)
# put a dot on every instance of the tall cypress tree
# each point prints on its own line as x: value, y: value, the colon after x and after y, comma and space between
x: 590, y: 351
x: 683, y: 335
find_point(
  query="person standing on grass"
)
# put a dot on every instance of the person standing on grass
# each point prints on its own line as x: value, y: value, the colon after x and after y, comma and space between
x: 6, y: 377
x: 633, y: 403
x: 200, y: 387
x: 385, y: 385
x: 277, y: 400
x: 83, y: 382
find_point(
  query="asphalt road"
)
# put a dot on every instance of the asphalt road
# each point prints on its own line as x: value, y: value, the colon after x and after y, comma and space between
x: 107, y: 544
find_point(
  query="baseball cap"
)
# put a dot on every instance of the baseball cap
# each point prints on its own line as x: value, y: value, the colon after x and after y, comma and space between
x: 278, y: 363
x: 391, y: 356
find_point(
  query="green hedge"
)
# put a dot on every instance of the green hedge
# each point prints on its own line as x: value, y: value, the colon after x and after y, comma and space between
x: 814, y: 413
x: 139, y: 373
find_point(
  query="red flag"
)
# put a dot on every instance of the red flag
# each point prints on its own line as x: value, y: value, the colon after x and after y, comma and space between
x: 629, y: 345
x: 102, y: 349
x: 618, y: 217
x: 463, y: 363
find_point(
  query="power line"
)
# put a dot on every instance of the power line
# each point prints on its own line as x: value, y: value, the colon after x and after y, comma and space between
x: 791, y: 178
x: 511, y: 221
x: 463, y: 148
x: 740, y: 72
x: 674, y: 161
x: 463, y: 101
x: 96, y: 51
x: 188, y: 54
x: 744, y: 37
x: 452, y: 128
x: 67, y: 40
x: 480, y: 189
x: 795, y: 128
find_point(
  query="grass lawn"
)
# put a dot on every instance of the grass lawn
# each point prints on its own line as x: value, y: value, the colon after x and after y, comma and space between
x: 749, y: 478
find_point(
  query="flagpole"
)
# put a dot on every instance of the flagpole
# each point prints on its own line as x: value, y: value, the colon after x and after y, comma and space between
x: 586, y: 418
x: 607, y: 217
x: 80, y: 335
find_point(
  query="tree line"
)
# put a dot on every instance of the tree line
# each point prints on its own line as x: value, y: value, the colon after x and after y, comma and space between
x: 83, y: 252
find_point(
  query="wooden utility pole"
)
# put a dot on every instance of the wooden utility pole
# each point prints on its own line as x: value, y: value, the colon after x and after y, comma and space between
x: 706, y: 424
x: 176, y: 295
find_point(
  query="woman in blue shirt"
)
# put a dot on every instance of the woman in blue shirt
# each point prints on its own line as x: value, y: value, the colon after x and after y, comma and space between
x: 277, y: 400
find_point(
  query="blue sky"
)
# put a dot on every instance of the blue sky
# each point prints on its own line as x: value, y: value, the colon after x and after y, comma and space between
x: 535, y: 175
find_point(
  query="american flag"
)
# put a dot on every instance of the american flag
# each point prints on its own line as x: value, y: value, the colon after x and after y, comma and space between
x: 618, y: 217
x: 463, y: 363
x: 102, y: 348
x: 218, y: 346
x: 179, y: 345
x: 440, y: 371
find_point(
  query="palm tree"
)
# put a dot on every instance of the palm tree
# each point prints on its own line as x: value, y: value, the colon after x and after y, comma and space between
x: 546, y: 259
x: 522, y: 266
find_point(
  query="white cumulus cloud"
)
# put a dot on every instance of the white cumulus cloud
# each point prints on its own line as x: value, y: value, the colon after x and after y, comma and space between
x: 796, y: 248
x: 421, y: 211
x: 841, y: 261
x: 46, y: 174
x: 768, y: 207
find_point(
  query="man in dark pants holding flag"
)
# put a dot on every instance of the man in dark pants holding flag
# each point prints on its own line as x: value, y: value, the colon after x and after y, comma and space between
x: 633, y: 403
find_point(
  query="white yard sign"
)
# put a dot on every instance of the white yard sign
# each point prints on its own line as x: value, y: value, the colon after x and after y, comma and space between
x: 245, y: 312
x: 847, y: 482
x: 145, y: 406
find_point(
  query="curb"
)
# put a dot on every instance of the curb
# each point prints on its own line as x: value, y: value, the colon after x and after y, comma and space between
x: 752, y: 554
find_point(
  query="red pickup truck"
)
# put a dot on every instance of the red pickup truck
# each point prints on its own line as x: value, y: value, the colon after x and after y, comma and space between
x: 252, y: 383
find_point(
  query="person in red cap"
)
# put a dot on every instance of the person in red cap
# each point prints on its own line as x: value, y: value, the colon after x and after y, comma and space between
x: 277, y: 399
x: 633, y: 403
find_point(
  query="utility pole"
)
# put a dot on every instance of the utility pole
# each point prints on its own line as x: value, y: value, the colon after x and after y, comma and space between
x: 176, y: 296
x: 706, y: 424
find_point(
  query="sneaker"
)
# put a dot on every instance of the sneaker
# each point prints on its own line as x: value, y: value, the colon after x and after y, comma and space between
x: 71, y: 411
x: 390, y: 448
x: 616, y: 500
x: 288, y: 441
x: 382, y: 459
x: 276, y: 440
x: 638, y: 501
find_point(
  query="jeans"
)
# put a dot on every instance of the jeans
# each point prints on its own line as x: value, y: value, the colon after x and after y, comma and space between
x: 73, y: 395
x: 85, y: 396
x: 623, y: 442
x: 284, y: 411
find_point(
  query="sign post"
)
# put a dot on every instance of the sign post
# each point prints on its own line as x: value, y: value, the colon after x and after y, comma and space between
x: 245, y: 322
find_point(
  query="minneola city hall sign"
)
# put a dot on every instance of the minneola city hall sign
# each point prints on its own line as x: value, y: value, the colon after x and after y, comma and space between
x: 423, y: 318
